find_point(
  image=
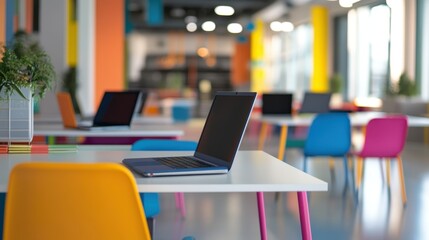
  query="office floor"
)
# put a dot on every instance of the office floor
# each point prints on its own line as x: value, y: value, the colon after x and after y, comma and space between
x: 378, y: 213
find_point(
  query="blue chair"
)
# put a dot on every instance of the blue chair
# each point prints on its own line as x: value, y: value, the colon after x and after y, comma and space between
x: 329, y: 136
x: 151, y: 200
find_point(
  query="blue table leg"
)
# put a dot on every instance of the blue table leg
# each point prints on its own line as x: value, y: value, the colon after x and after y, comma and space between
x: 2, y: 202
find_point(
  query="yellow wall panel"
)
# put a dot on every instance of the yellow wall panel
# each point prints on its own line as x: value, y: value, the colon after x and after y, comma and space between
x: 257, y: 57
x: 319, y: 82
x: 71, y: 34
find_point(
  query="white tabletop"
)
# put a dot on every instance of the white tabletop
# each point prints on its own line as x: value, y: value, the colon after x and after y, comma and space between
x: 56, y: 130
x: 357, y: 119
x: 137, y: 119
x: 252, y: 171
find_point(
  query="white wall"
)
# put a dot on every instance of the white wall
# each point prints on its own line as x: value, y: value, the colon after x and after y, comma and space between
x: 52, y: 37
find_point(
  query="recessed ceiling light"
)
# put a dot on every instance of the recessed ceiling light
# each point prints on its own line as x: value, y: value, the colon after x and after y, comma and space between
x: 189, y: 19
x: 276, y: 26
x: 234, y: 28
x: 287, y: 27
x: 177, y: 12
x: 224, y: 10
x: 203, y: 52
x: 347, y: 3
x: 208, y: 26
x: 191, y: 27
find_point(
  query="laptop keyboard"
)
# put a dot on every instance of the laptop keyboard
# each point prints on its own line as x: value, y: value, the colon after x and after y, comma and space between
x: 182, y: 162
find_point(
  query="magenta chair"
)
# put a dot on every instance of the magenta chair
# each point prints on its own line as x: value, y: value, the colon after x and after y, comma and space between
x: 384, y: 139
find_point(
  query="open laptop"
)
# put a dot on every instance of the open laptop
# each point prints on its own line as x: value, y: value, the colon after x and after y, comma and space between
x: 141, y: 102
x: 114, y: 113
x: 219, y: 141
x: 277, y: 104
x: 315, y: 103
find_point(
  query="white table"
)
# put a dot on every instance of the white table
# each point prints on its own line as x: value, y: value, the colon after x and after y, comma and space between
x: 252, y: 171
x: 140, y: 131
x: 137, y: 120
x: 134, y: 131
x: 358, y: 119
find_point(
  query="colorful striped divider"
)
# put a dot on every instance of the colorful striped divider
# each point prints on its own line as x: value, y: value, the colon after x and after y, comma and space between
x: 19, y: 148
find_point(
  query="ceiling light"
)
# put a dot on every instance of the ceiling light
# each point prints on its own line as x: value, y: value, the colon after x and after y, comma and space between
x: 203, y: 52
x: 392, y: 3
x: 177, y: 12
x: 287, y: 26
x: 189, y: 19
x: 208, y: 26
x: 347, y: 3
x: 224, y: 10
x: 276, y: 26
x: 191, y: 27
x: 234, y: 28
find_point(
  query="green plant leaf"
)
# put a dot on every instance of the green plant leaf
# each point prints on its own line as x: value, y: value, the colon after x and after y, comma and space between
x: 17, y: 90
x: 25, y: 64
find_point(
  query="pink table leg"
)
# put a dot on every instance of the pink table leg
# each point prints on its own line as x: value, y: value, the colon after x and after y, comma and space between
x: 304, y: 215
x: 261, y: 212
x: 182, y: 204
x: 177, y: 199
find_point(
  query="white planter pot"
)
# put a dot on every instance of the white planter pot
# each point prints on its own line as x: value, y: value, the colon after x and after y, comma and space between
x: 16, y: 117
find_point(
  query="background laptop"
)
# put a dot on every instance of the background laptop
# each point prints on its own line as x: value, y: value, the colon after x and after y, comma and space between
x: 115, y: 111
x: 277, y: 103
x: 315, y: 103
x: 141, y: 102
x: 219, y: 141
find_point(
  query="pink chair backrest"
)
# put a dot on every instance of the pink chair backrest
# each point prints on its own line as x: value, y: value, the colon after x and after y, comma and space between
x: 385, y: 137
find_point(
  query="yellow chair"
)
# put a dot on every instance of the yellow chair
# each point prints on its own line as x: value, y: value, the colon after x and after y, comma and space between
x: 73, y: 201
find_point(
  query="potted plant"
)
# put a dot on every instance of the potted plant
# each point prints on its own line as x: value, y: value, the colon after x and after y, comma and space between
x: 406, y: 86
x: 335, y: 84
x: 399, y: 95
x: 70, y: 86
x: 25, y: 72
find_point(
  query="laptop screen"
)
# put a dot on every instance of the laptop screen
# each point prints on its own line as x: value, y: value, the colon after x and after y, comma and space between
x: 276, y: 103
x: 141, y: 102
x: 225, y: 125
x: 116, y: 108
x: 315, y: 103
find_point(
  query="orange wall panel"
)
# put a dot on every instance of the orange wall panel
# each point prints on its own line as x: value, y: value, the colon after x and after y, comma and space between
x: 240, y: 71
x: 109, y: 47
x: 2, y: 21
x: 29, y: 16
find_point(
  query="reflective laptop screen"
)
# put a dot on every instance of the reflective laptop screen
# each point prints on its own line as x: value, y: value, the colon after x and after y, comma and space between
x: 277, y: 103
x: 315, y: 103
x: 224, y: 126
x: 116, y: 108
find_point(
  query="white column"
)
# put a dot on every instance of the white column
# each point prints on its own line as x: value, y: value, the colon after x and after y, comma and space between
x: 397, y: 40
x: 410, y: 37
x: 425, y: 53
x: 22, y: 14
x: 363, y: 67
x: 52, y: 37
x: 86, y: 55
x: 358, y: 48
x: 352, y: 50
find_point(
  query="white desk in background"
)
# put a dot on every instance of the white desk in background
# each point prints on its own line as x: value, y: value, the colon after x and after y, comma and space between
x: 107, y: 136
x: 252, y: 171
x: 358, y: 119
x: 137, y: 120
